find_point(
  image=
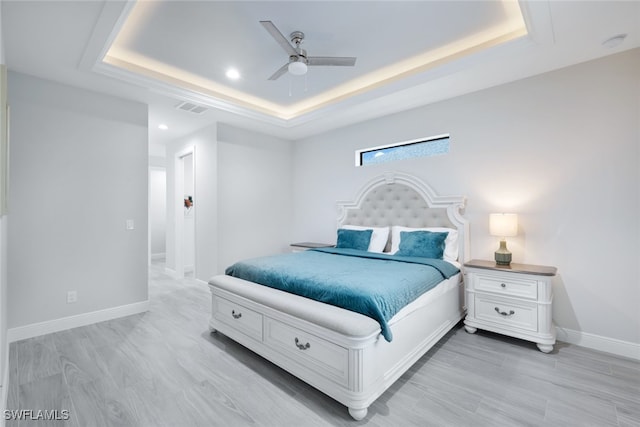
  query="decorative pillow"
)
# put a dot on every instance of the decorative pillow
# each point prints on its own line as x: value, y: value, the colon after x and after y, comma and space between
x: 354, y: 239
x: 425, y: 244
x: 378, y: 238
x: 450, y: 243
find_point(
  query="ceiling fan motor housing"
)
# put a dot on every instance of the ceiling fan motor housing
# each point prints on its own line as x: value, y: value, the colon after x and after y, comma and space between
x: 297, y: 37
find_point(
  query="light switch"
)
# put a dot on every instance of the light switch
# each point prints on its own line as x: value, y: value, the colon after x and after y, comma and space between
x: 130, y: 224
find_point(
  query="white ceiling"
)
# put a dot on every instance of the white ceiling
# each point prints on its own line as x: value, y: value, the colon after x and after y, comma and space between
x: 409, y: 53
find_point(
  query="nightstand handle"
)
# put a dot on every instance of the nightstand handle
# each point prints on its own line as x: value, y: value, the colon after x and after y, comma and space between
x: 503, y: 285
x: 504, y: 313
x: 236, y: 315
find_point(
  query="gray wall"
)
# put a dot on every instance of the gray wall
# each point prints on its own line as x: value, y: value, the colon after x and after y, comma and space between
x: 3, y: 263
x: 560, y: 149
x: 78, y: 172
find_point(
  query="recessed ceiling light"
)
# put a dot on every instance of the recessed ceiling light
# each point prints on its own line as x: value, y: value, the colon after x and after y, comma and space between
x: 233, y: 74
x: 614, y: 41
x: 163, y: 126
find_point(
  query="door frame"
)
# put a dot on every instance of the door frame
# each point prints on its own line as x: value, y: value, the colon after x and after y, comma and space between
x: 178, y: 203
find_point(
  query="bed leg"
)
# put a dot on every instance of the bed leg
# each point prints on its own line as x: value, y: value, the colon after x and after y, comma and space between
x: 545, y: 348
x: 358, y: 414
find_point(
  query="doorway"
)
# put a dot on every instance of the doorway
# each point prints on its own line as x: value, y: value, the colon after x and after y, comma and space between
x: 185, y: 214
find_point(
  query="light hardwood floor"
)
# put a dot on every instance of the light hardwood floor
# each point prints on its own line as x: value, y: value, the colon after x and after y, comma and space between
x: 164, y: 368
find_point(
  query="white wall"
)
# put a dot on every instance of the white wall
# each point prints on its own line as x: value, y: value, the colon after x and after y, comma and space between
x: 560, y: 149
x: 78, y: 172
x: 254, y: 194
x: 189, y: 230
x: 242, y: 196
x: 205, y: 198
x: 158, y: 210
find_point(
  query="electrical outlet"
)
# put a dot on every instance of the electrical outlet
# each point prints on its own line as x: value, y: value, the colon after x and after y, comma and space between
x: 72, y: 296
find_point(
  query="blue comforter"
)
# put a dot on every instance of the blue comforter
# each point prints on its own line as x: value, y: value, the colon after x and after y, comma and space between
x: 376, y: 285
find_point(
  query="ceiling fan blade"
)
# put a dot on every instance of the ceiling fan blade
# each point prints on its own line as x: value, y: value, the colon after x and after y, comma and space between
x: 348, y: 61
x: 277, y: 35
x: 280, y: 72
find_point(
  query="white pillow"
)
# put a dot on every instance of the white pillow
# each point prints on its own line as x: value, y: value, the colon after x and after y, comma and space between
x: 450, y: 243
x: 379, y: 236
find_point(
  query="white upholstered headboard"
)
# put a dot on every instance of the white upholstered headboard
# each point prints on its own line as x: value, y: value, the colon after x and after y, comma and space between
x: 400, y: 199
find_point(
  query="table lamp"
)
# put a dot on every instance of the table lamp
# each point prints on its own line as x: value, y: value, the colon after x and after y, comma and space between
x: 503, y: 225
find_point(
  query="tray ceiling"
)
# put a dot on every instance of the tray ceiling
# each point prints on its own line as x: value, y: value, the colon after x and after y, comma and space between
x: 193, y: 44
x: 409, y: 54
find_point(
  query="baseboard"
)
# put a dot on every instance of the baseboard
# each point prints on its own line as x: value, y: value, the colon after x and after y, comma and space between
x: 64, y: 323
x: 598, y: 342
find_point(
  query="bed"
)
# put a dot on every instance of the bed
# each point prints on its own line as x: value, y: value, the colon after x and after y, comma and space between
x: 349, y: 356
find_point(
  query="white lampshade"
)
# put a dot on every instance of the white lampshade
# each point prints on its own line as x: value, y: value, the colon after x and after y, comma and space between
x: 297, y: 68
x: 503, y: 224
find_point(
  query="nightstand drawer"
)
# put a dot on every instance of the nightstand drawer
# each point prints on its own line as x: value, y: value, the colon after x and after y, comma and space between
x: 505, y: 311
x: 239, y: 317
x: 515, y: 300
x: 523, y: 288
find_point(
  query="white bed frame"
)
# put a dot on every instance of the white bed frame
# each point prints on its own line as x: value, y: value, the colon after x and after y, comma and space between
x: 340, y: 352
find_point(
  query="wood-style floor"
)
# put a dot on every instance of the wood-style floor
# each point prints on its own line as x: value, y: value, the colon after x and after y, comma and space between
x: 163, y: 368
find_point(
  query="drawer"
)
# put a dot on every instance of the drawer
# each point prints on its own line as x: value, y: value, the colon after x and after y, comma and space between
x: 238, y: 317
x: 523, y: 288
x: 507, y: 312
x: 323, y: 357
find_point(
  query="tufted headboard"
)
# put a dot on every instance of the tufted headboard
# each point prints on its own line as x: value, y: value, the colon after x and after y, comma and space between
x: 400, y: 199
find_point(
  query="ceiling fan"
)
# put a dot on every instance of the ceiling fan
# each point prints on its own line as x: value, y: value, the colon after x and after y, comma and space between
x: 298, y: 59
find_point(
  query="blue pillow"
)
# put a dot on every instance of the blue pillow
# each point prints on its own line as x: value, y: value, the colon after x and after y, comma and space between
x: 424, y: 244
x: 354, y: 239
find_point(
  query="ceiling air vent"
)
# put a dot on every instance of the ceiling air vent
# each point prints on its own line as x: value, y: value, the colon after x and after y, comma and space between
x: 191, y: 107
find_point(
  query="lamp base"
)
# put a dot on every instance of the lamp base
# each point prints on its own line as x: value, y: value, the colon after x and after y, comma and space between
x: 502, y: 255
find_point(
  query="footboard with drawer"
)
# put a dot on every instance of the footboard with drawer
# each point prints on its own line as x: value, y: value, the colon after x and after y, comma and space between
x: 337, y: 351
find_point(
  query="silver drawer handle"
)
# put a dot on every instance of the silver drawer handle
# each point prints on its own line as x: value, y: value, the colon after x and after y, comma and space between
x: 302, y: 346
x: 503, y: 285
x: 236, y: 315
x: 504, y: 313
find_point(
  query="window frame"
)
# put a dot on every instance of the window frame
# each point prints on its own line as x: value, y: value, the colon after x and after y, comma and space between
x: 359, y: 153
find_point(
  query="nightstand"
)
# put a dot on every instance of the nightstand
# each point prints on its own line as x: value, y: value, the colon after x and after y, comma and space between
x: 302, y: 246
x: 514, y: 300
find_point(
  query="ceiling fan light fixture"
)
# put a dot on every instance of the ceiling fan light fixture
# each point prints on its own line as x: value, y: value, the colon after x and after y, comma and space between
x: 297, y: 68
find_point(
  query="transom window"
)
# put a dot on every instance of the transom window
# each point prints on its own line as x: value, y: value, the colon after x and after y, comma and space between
x: 421, y: 147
